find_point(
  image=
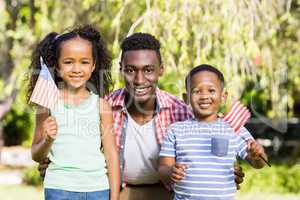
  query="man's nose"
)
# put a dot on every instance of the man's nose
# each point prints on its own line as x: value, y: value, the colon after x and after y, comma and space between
x: 139, y: 77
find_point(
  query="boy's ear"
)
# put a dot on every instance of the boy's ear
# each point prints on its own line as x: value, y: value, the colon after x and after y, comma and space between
x: 224, y: 96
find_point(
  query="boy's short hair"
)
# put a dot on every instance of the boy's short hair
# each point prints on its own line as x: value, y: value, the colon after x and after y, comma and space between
x: 141, y: 41
x: 203, y: 67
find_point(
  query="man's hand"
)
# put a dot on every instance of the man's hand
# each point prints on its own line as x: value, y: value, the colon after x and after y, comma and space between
x: 43, y: 165
x: 238, y: 176
x: 178, y: 172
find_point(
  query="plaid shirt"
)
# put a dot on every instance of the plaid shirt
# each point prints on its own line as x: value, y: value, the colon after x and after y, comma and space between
x: 169, y: 109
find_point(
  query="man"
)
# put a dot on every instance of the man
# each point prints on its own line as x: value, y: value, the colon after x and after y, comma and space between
x: 142, y: 112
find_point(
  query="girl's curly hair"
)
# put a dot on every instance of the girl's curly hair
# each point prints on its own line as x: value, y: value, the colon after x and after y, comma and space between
x: 50, y: 47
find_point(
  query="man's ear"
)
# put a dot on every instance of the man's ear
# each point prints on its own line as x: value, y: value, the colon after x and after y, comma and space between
x: 121, y: 68
x: 161, y: 69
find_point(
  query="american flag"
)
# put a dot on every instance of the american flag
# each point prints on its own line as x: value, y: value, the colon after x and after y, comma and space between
x: 45, y: 92
x: 237, y: 116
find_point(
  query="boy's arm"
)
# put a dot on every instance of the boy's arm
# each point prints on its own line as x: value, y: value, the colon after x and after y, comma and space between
x: 110, y: 149
x: 255, y: 150
x: 169, y: 171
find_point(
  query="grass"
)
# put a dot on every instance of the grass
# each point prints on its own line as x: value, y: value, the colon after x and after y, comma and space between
x: 24, y: 192
x: 15, y: 192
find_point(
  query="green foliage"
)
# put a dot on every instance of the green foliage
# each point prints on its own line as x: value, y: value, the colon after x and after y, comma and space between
x: 276, y: 179
x: 32, y: 177
x: 17, y: 127
x: 254, y: 50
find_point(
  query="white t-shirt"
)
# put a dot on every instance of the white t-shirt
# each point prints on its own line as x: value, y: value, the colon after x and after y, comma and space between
x: 141, y: 153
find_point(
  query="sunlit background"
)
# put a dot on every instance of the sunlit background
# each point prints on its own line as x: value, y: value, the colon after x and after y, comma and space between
x: 255, y: 43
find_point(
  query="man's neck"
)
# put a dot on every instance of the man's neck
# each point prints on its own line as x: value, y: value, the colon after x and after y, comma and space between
x: 141, y: 112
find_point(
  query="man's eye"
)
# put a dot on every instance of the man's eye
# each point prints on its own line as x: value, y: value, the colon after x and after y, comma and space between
x: 212, y: 90
x: 148, y: 71
x: 129, y: 70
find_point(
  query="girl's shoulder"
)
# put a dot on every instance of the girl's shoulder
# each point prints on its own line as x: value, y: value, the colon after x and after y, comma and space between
x: 104, y: 105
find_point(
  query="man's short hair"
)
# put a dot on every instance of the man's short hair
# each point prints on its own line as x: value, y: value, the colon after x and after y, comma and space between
x: 141, y: 41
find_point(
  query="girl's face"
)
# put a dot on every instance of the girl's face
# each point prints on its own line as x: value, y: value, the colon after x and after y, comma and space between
x: 75, y: 63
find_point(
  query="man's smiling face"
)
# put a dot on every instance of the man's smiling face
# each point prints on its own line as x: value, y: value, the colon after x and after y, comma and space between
x: 141, y: 70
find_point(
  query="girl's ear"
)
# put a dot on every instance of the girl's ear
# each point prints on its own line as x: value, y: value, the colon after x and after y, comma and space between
x: 94, y: 66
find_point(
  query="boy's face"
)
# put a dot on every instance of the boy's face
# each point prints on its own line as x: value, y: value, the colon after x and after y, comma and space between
x: 206, y: 95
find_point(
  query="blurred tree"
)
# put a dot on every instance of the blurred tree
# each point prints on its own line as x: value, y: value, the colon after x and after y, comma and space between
x: 255, y: 43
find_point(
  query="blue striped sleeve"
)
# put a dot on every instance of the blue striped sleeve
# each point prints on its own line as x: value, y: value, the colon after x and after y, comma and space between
x: 168, y: 145
x: 242, y: 145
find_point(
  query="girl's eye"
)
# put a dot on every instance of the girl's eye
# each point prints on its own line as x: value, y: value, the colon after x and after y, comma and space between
x: 67, y: 62
x: 85, y: 62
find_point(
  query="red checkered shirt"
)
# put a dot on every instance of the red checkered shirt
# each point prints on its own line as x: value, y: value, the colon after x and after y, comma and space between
x: 170, y: 110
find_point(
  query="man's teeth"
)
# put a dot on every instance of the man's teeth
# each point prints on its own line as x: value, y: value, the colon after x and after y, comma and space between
x: 205, y: 105
x: 141, y: 90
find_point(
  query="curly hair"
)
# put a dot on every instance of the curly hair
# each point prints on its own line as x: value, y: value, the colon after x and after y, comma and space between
x: 50, y: 47
x: 140, y: 41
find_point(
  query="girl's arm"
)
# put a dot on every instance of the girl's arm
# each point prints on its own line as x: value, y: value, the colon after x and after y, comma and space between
x: 44, y: 135
x: 110, y: 149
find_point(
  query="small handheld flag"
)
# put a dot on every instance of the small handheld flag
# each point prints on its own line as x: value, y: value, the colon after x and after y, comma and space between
x: 45, y: 92
x: 237, y: 116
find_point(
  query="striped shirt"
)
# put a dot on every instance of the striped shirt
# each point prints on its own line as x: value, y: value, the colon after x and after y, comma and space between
x: 208, y: 176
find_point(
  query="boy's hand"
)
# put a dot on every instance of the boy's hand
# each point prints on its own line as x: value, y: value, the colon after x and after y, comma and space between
x: 255, y: 150
x: 178, y: 172
x: 50, y: 129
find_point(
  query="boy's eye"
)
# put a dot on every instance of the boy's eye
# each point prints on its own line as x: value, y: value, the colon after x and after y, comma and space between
x: 212, y: 90
x: 195, y: 91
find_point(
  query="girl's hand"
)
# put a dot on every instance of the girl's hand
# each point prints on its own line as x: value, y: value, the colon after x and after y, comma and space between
x: 178, y: 172
x: 255, y: 150
x: 49, y: 129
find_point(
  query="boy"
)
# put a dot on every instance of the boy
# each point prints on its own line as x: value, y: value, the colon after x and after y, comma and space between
x: 198, y: 154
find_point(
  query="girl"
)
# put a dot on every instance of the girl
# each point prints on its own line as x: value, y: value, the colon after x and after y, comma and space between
x: 69, y: 133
